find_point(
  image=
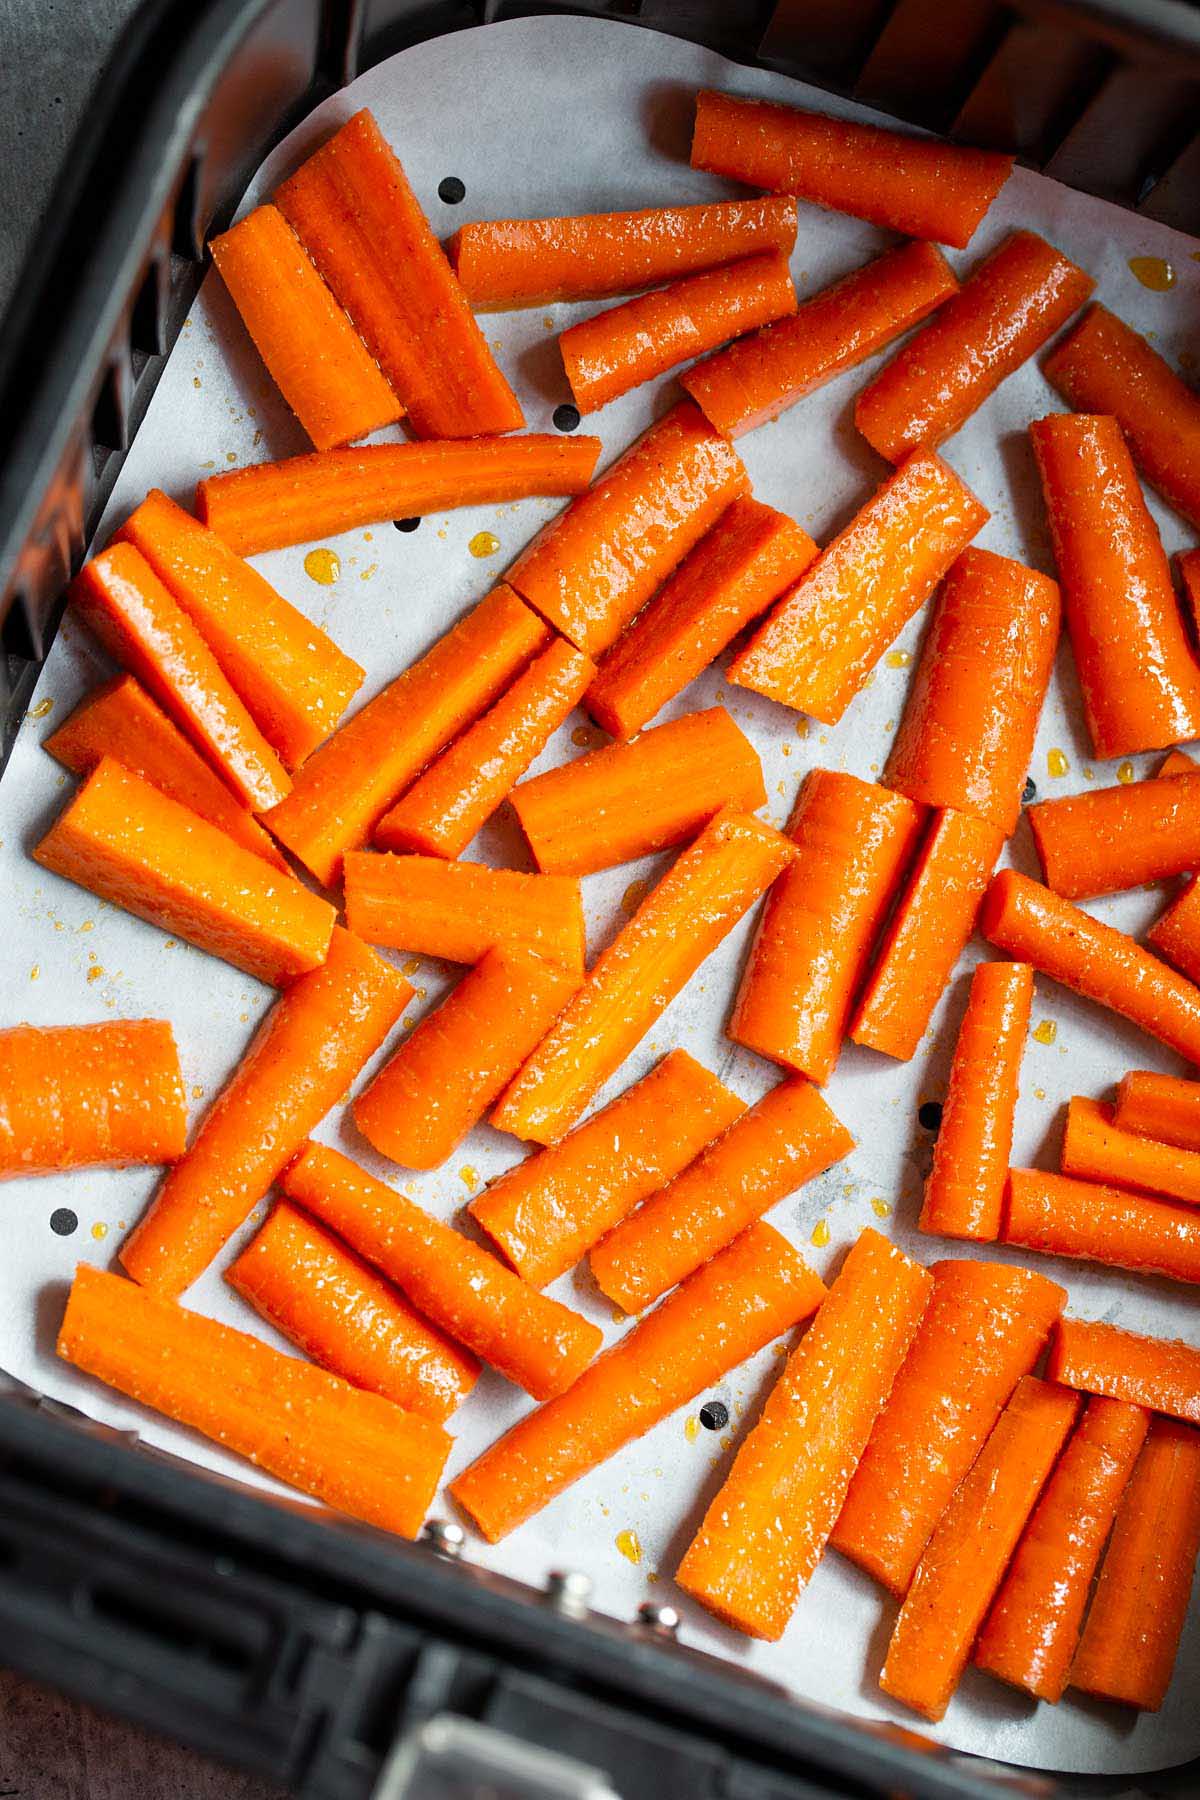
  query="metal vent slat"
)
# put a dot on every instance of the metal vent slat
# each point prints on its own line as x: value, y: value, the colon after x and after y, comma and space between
x: 928, y: 57
x: 1130, y: 133
x: 1032, y: 91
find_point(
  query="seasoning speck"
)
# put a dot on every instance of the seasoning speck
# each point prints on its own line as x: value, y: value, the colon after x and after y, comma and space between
x: 1154, y: 272
x: 566, y: 417
x: 1045, y: 1031
x: 35, y: 971
x: 929, y: 1114
x: 714, y: 1415
x: 1056, y: 763
x: 63, y: 1221
x: 1029, y: 791
x: 820, y: 1233
x: 484, y: 543
x: 323, y: 566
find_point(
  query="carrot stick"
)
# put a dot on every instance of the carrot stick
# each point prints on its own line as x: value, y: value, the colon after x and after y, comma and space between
x: 816, y: 649
x: 781, y: 1142
x: 765, y: 1531
x: 964, y: 1195
x: 678, y: 924
x: 545, y: 1212
x: 353, y: 209
x: 505, y: 263
x: 1176, y: 934
x: 346, y: 787
x: 76, y: 1096
x: 972, y: 712
x: 303, y: 1057
x: 759, y: 377
x: 1140, y: 681
x: 313, y: 353
x: 727, y: 1311
x: 1161, y: 1374
x: 129, y: 844
x: 965, y: 1558
x: 1009, y: 306
x: 929, y: 930
x: 1064, y: 1217
x: 293, y: 679
x: 461, y: 1057
x: 1095, y: 1148
x: 443, y: 811
x: 625, y: 800
x: 352, y: 1450
x: 853, y: 840
x: 983, y: 1329
x: 268, y: 506
x: 592, y: 568
x: 1189, y: 576
x: 1118, y: 837
x: 739, y: 569
x: 122, y: 601
x: 467, y: 1293
x: 327, y: 1301
x: 461, y: 910
x: 1159, y: 1106
x: 1031, y: 1632
x: 1177, y: 763
x: 1028, y: 922
x: 920, y: 186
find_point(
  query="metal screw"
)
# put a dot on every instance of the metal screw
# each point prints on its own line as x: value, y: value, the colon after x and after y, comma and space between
x: 443, y: 1537
x: 569, y: 1591
x: 657, y: 1617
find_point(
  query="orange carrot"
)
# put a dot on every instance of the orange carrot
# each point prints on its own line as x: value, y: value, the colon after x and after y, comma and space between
x: 1176, y: 933
x: 129, y: 844
x: 1118, y: 837
x: 459, y: 1059
x: 1009, y: 306
x: 1140, y: 680
x: 1189, y: 576
x: 327, y: 1301
x: 983, y: 1329
x: 313, y: 353
x: 355, y: 1451
x: 766, y: 1529
x: 678, y: 924
x: 351, y: 206
x: 920, y: 186
x: 303, y: 1057
x: 1176, y: 762
x: 748, y: 559
x: 853, y: 840
x: 781, y: 1142
x: 461, y: 910
x: 75, y: 1096
x: 964, y: 1195
x: 816, y: 649
x: 758, y: 378
x: 591, y: 569
x: 467, y: 1293
x: 443, y: 811
x: 293, y: 679
x: 625, y: 800
x: 1031, y: 1632
x: 1159, y: 1106
x: 972, y: 713
x: 728, y: 1310
x: 1064, y: 1217
x: 1161, y: 1374
x: 933, y: 920
x: 1095, y: 1148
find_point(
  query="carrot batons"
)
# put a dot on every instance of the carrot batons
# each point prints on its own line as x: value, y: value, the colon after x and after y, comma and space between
x: 462, y: 910
x: 356, y: 215
x: 313, y: 354
x: 1064, y: 1217
x: 303, y: 1057
x: 355, y: 1451
x: 74, y: 1096
x: 727, y: 1311
x: 1161, y: 1374
x: 814, y: 940
x: 1095, y: 1148
x: 1176, y: 762
x: 1176, y: 934
x: 816, y: 649
x: 678, y: 924
x: 765, y: 1531
x: 1159, y: 1106
x: 1118, y: 837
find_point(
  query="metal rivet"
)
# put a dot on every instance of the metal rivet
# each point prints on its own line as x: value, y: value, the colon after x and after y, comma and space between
x: 658, y: 1617
x: 569, y: 1591
x: 443, y: 1537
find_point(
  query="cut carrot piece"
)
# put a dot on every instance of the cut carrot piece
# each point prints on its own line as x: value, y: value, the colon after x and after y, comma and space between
x: 591, y: 569
x: 964, y: 1195
x: 768, y: 1152
x: 983, y: 1329
x: 1176, y: 934
x: 1176, y: 762
x: 327, y: 1301
x: 1161, y: 1374
x: 355, y: 1451
x: 461, y: 910
x: 729, y: 1309
x: 1140, y: 680
x: 1189, y: 576
x: 356, y: 215
x: 972, y: 713
x: 443, y: 811
x: 76, y: 1096
x: 853, y: 840
x: 934, y: 918
x: 758, y: 378
x: 748, y: 559
x: 1064, y: 1217
x: 678, y: 924
x: 460, y: 1058
x: 533, y: 1341
x: 126, y: 842
x: 346, y: 787
x: 303, y: 1057
x: 815, y: 651
x: 767, y: 1528
x: 1159, y: 1106
x: 1095, y: 1148
x: 1118, y: 837
x: 625, y: 800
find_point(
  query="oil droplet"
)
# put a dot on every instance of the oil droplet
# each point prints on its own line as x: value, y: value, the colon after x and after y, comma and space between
x: 88, y: 925
x: 898, y: 659
x: 881, y: 1209
x: 1154, y: 272
x: 1039, y: 1093
x: 323, y: 566
x: 1056, y: 762
x: 581, y: 737
x: 548, y: 321
x: 95, y: 972
x: 411, y: 966
x: 35, y: 971
x: 633, y: 896
x: 469, y: 1175
x: 630, y: 1545
x: 41, y: 709
x: 484, y: 543
x: 820, y: 1233
x: 785, y: 749
x: 691, y: 1428
x: 99, y: 1231
x: 1046, y: 1031
x: 801, y: 728
x: 1125, y: 772
x: 197, y: 1092
x: 368, y: 571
